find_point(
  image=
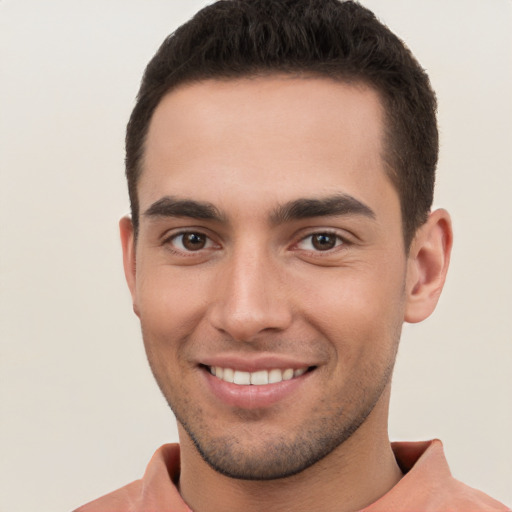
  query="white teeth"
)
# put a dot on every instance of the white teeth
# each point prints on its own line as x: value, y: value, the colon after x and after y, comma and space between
x: 297, y: 373
x: 243, y: 378
x: 258, y: 378
x: 288, y: 374
x: 228, y: 375
x: 275, y: 376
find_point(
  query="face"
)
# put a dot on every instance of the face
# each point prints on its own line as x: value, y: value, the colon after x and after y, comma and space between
x: 269, y: 269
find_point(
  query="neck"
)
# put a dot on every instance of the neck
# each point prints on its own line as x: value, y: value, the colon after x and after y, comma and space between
x: 353, y: 476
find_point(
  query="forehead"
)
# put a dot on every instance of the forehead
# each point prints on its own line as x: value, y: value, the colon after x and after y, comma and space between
x: 273, y: 137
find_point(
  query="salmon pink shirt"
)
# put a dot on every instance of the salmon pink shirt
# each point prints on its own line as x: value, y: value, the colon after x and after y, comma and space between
x: 427, y: 486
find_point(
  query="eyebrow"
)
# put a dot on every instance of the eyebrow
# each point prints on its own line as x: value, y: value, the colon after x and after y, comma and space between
x: 303, y: 208
x: 335, y: 205
x: 169, y: 206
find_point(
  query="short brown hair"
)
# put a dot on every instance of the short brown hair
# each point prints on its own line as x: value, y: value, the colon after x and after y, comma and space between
x: 340, y: 40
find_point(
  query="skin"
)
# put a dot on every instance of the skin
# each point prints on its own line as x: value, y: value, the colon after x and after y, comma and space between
x: 257, y: 284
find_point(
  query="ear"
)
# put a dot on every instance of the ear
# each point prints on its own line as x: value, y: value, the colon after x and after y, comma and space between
x: 128, y: 244
x: 427, y: 265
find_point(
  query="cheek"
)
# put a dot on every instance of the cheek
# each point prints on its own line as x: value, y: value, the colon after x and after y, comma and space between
x: 360, y: 310
x: 170, y: 303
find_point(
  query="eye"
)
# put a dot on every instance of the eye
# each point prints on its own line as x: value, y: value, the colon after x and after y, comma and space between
x: 190, y: 241
x: 320, y: 242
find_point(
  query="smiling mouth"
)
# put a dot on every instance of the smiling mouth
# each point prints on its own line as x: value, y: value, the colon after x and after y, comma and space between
x: 257, y: 378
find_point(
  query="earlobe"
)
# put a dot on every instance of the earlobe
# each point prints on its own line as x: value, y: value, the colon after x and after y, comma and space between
x: 129, y: 263
x: 427, y: 265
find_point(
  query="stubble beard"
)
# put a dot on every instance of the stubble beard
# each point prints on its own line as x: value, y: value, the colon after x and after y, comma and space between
x: 276, y: 456
x: 284, y: 455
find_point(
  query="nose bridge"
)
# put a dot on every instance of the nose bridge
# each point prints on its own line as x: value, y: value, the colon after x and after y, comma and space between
x: 250, y: 297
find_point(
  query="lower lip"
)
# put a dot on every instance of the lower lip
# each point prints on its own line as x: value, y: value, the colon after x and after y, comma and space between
x: 251, y: 396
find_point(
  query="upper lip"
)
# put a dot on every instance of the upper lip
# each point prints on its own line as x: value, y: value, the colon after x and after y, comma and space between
x: 255, y: 363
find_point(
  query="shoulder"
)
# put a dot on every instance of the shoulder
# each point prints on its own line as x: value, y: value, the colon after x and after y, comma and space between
x: 428, y: 485
x: 122, y: 499
x: 461, y: 497
x: 156, y: 491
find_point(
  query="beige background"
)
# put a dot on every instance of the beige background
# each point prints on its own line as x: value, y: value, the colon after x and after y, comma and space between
x: 79, y: 412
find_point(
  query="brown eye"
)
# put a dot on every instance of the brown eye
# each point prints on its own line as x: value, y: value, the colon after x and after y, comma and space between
x: 193, y: 241
x: 190, y: 241
x: 324, y: 241
x: 318, y: 242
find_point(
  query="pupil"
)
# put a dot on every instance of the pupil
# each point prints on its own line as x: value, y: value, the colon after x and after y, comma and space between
x: 194, y: 241
x: 323, y: 242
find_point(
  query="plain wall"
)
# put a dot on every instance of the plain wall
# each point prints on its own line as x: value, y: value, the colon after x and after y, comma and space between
x: 80, y: 414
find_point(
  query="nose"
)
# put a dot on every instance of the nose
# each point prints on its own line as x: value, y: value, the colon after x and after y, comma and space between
x: 251, y: 296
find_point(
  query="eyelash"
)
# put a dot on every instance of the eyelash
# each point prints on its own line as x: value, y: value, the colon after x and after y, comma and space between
x: 209, y: 243
x: 339, y: 241
x: 168, y: 241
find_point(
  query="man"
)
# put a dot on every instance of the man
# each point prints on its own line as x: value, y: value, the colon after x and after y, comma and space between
x: 280, y: 163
